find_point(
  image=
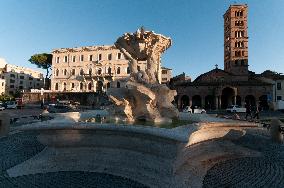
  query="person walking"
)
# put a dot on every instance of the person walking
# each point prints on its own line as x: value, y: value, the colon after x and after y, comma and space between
x: 248, y: 111
x: 256, y: 113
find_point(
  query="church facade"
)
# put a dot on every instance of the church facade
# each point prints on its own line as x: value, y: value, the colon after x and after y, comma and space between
x: 217, y: 88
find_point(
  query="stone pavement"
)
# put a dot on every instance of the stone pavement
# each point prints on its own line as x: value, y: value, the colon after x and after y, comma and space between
x: 264, y: 171
x: 19, y: 147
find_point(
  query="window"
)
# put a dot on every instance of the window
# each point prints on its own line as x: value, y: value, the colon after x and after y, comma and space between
x: 99, y: 71
x: 73, y: 58
x: 82, y: 58
x: 164, y: 79
x: 22, y: 77
x: 12, y: 76
x: 91, y: 58
x: 90, y: 71
x: 72, y: 85
x: 21, y: 87
x: 21, y: 82
x: 73, y: 72
x: 138, y: 67
x: 30, y: 78
x: 279, y: 87
x: 128, y: 70
x: 279, y: 98
x: 118, y: 84
x: 81, y: 72
x: 109, y: 70
x: 57, y: 72
x: 56, y: 86
x: 90, y: 86
x: 100, y: 57
x: 81, y: 86
x: 65, y: 72
x: 12, y: 86
x: 164, y: 71
x: 109, y: 56
x: 65, y: 59
x: 118, y: 55
x: 118, y: 70
x: 12, y: 81
x: 57, y: 59
x: 64, y: 86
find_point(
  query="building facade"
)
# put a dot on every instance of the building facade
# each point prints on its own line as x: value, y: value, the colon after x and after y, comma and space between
x: 217, y: 88
x: 19, y: 79
x: 90, y: 69
x: 2, y: 86
x: 166, y: 75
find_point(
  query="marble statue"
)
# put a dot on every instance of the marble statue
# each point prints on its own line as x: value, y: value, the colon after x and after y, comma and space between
x: 143, y: 97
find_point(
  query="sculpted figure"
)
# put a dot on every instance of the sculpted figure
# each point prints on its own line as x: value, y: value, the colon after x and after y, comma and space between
x: 143, y: 97
x: 144, y: 46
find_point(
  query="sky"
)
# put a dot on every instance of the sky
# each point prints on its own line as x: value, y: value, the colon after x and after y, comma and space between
x: 195, y: 26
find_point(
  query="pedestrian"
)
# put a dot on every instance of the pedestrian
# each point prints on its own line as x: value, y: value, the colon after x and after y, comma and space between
x: 248, y: 111
x: 256, y: 113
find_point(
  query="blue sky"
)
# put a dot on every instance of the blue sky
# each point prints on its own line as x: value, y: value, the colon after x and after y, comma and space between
x: 195, y: 26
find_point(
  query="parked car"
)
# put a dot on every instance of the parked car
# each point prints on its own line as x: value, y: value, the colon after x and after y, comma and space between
x: 236, y: 108
x: 196, y: 110
x: 58, y: 108
x: 2, y: 107
x: 11, y: 104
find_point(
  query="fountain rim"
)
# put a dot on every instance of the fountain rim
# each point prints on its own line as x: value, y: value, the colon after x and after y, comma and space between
x: 170, y: 134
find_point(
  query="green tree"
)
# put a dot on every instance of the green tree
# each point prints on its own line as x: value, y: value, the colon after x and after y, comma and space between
x: 43, y: 61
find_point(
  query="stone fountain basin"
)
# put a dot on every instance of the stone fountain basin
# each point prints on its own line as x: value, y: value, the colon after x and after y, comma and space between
x: 155, y: 157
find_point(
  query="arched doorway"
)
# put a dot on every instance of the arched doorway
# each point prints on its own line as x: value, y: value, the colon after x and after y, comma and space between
x: 108, y: 85
x: 81, y: 86
x: 263, y: 102
x: 196, y: 101
x: 227, y: 97
x: 250, y: 100
x: 209, y: 102
x: 238, y: 100
x: 99, y: 86
x: 184, y: 101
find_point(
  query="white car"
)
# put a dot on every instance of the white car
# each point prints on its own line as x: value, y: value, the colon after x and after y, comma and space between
x: 11, y: 104
x: 2, y: 108
x: 236, y: 108
x: 197, y: 110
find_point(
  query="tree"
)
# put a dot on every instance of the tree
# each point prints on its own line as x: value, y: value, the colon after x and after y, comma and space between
x: 43, y: 61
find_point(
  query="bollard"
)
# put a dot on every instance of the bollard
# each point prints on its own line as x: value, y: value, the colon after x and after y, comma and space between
x: 275, y: 132
x: 4, y: 124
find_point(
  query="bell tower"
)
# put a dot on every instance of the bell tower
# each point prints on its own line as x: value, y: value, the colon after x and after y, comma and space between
x: 236, y: 40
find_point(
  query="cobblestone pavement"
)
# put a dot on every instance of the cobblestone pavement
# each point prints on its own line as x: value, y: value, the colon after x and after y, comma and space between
x: 19, y: 147
x: 264, y: 171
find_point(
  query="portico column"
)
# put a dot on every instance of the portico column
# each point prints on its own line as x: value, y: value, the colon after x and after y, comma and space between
x: 220, y: 102
x: 202, y: 102
x: 216, y: 102
x: 235, y: 99
x: 190, y: 101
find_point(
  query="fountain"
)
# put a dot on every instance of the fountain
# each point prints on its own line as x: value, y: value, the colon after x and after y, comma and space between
x: 143, y: 98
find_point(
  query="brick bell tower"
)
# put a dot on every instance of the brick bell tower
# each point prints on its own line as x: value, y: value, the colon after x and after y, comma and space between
x: 236, y: 40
